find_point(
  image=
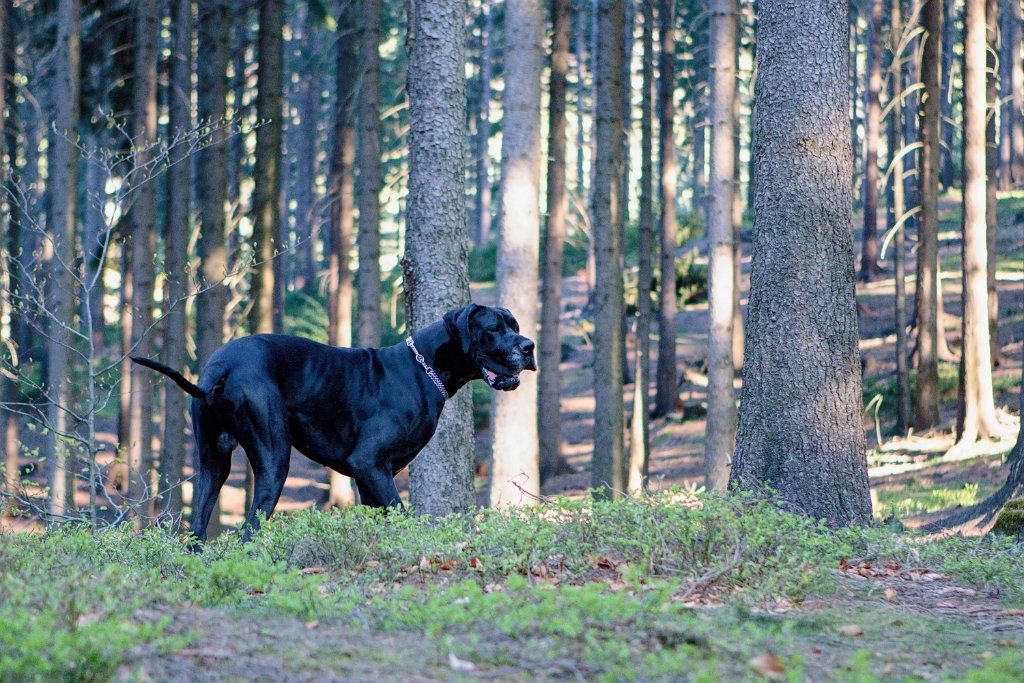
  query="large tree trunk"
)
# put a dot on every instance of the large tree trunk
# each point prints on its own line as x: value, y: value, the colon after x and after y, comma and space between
x: 369, y: 174
x: 483, y: 133
x: 640, y: 438
x: 179, y: 180
x: 609, y: 466
x: 267, y: 183
x: 60, y: 294
x: 667, y: 383
x: 800, y: 429
x: 342, y: 202
x: 549, y: 352
x: 872, y: 130
x: 143, y: 245
x: 436, y: 270
x: 897, y: 207
x: 926, y: 404
x: 721, y: 426
x: 515, y: 413
x: 211, y: 87
x: 979, y: 412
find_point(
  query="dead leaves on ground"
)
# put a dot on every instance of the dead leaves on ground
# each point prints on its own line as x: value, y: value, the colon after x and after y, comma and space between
x: 892, y: 570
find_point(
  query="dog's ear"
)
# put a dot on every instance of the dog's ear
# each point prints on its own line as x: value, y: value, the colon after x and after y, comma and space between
x: 457, y: 324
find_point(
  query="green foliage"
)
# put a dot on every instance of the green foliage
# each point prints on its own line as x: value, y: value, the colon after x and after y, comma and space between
x: 306, y: 316
x: 1010, y: 521
x: 603, y: 584
x: 1006, y: 667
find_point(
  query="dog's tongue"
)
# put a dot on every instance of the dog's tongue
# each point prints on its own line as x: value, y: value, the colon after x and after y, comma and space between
x: 500, y: 381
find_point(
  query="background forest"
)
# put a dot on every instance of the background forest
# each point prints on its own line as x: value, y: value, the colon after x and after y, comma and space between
x: 762, y: 245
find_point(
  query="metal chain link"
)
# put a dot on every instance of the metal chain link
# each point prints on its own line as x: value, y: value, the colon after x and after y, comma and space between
x: 429, y: 370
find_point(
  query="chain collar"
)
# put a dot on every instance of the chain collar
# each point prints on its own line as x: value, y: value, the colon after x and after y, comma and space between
x: 429, y: 370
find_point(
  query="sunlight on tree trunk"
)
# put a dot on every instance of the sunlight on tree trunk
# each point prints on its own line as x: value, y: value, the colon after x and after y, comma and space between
x: 720, y: 441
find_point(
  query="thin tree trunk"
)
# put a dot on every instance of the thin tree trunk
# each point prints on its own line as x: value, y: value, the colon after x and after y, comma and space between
x: 342, y: 202
x: 897, y: 207
x: 267, y: 181
x: 1017, y: 94
x: 667, y: 383
x: 800, y: 429
x: 143, y: 245
x: 609, y: 465
x: 211, y: 85
x: 549, y: 353
x: 179, y: 179
x: 979, y: 412
x: 581, y: 96
x: 307, y: 224
x: 62, y: 186
x: 991, y: 174
x: 872, y: 128
x: 640, y: 438
x: 483, y: 139
x: 369, y: 174
x: 1006, y: 113
x: 948, y: 127
x: 435, y: 264
x: 720, y: 441
x: 514, y: 462
x: 13, y: 236
x: 737, y: 215
x: 926, y: 405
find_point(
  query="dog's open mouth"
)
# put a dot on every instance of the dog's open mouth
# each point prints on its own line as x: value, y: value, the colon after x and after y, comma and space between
x: 499, y: 381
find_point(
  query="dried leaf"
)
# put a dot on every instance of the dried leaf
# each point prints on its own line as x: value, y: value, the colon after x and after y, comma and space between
x: 768, y: 666
x: 890, y: 594
x: 851, y: 630
x: 311, y: 570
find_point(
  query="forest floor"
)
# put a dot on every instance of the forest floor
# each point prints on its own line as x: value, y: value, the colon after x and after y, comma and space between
x: 671, y: 587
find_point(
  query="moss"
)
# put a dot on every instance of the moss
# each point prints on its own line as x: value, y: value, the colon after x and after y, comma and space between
x: 1011, y: 519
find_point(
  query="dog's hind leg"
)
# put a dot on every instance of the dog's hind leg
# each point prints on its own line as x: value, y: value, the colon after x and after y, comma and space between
x: 263, y: 433
x: 212, y: 466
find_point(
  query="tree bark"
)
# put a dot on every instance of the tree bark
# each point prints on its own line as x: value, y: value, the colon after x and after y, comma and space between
x: 720, y: 441
x: 267, y: 182
x: 179, y: 179
x: 609, y: 466
x: 979, y: 412
x: 12, y: 241
x: 897, y: 207
x: 549, y: 352
x: 1016, y: 93
x: 667, y: 382
x: 342, y: 203
x: 436, y: 243
x: 640, y: 438
x: 992, y: 174
x: 1006, y: 113
x: 211, y: 86
x: 947, y: 127
x: 800, y: 429
x: 369, y: 175
x: 926, y: 405
x: 872, y: 129
x: 143, y: 246
x: 483, y: 133
x: 60, y: 295
x: 307, y: 217
x: 514, y: 462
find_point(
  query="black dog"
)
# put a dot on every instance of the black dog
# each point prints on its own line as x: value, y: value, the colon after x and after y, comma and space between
x: 365, y: 413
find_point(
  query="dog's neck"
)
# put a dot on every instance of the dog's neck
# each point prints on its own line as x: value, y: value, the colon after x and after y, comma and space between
x: 443, y: 353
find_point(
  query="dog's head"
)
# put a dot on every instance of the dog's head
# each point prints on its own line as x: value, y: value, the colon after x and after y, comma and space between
x: 490, y: 337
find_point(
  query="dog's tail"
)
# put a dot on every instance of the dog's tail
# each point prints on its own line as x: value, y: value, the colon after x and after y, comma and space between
x: 178, y: 378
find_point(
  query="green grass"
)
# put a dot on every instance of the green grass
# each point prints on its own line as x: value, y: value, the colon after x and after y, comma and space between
x: 596, y: 588
x: 919, y: 498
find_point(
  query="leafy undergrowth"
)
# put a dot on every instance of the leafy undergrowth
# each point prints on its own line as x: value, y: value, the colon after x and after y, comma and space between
x: 663, y: 588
